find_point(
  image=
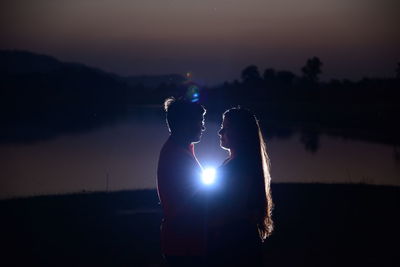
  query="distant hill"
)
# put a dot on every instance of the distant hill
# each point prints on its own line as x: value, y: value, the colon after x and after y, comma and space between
x: 29, y: 80
x: 19, y: 62
x: 153, y: 81
x: 46, y: 97
x: 23, y: 62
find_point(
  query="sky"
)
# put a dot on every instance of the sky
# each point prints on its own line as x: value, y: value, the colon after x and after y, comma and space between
x: 213, y: 39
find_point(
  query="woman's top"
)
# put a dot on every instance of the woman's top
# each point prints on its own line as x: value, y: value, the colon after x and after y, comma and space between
x: 232, y: 207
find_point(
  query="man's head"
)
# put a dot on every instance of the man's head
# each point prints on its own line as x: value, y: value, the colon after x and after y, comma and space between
x: 185, y: 119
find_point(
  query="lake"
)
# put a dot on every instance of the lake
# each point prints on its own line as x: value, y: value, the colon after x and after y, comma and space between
x: 123, y: 156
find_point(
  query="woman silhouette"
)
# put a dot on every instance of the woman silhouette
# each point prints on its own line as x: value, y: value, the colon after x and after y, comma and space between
x: 240, y: 208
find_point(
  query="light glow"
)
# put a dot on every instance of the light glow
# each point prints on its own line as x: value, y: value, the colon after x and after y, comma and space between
x: 208, y: 176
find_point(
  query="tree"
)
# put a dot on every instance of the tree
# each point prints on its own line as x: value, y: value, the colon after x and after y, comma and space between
x: 285, y: 78
x: 269, y: 75
x: 312, y: 69
x: 251, y: 74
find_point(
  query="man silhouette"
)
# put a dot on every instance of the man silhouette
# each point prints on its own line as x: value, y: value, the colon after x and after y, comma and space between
x: 179, y: 188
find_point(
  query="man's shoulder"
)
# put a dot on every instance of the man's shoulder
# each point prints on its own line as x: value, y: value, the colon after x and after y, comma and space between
x: 171, y: 149
x: 173, y: 156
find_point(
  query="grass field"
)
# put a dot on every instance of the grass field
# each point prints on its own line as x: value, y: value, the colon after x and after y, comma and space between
x: 316, y: 225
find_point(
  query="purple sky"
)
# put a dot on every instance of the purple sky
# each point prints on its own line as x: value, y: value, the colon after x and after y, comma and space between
x: 213, y: 39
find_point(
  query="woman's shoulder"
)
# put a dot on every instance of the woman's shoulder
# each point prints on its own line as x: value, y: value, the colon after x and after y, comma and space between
x: 238, y: 164
x: 233, y: 171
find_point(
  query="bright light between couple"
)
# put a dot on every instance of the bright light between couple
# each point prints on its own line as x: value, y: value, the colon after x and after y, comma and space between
x: 208, y: 176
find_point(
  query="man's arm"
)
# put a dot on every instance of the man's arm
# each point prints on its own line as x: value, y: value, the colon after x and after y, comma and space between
x: 178, y: 185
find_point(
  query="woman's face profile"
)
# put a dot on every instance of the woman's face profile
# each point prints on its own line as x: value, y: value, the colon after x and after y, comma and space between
x: 225, y: 135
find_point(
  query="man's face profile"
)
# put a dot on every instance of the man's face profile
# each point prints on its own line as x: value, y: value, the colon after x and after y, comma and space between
x: 185, y: 120
x: 195, y: 129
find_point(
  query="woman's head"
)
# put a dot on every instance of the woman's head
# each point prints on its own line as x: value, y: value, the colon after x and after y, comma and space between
x: 241, y: 135
x: 240, y: 130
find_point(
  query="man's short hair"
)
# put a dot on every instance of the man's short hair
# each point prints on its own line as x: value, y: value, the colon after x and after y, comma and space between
x: 180, y: 112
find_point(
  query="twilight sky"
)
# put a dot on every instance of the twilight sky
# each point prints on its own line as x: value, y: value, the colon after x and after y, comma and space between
x: 215, y: 39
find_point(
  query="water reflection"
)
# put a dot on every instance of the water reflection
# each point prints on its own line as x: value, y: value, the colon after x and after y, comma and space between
x: 310, y: 139
x: 124, y: 156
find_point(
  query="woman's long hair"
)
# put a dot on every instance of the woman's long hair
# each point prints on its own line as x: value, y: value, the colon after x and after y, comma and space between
x: 249, y: 143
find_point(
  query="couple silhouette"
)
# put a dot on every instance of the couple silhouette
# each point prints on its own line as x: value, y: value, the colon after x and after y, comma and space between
x: 223, y: 225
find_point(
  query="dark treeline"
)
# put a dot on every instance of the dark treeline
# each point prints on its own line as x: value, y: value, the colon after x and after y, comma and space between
x: 366, y: 109
x: 41, y: 97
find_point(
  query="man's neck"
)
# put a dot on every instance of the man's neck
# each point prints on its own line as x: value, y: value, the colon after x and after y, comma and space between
x: 232, y: 153
x: 180, y: 140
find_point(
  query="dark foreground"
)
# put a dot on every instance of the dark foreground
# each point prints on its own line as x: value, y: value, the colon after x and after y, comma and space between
x: 316, y: 225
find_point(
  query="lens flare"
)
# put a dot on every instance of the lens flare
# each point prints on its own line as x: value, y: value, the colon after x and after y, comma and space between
x: 193, y: 93
x: 208, y: 176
